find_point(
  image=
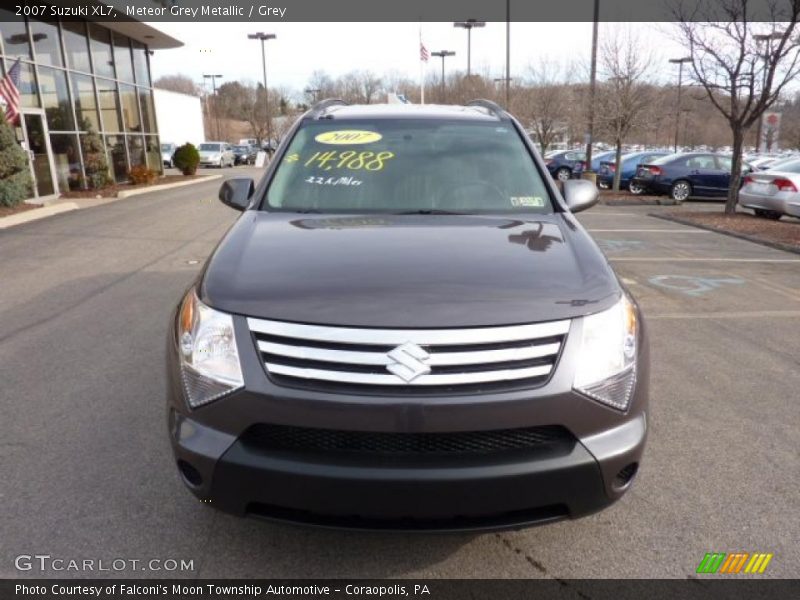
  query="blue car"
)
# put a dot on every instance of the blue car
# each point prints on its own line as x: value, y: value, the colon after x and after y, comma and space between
x: 629, y: 163
x: 597, y: 159
x: 685, y: 175
x: 565, y: 164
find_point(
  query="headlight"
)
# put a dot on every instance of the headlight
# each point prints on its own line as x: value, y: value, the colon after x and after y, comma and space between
x: 606, y: 362
x: 209, y: 359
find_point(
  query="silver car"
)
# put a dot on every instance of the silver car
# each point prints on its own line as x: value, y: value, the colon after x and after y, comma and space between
x: 216, y: 154
x: 773, y: 193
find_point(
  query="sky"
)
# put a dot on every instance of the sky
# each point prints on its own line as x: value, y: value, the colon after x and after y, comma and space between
x: 301, y: 48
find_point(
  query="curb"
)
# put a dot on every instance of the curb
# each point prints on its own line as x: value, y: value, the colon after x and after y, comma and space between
x: 165, y: 186
x: 629, y: 203
x: 741, y: 236
x: 36, y: 214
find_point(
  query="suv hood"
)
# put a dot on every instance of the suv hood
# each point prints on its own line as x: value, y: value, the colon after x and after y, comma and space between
x: 408, y: 271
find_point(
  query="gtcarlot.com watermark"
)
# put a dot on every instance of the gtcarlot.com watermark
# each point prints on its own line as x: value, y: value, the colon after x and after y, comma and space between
x: 42, y: 563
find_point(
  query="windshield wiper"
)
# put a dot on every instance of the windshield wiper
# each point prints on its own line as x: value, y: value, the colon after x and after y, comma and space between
x: 432, y: 211
x: 306, y: 211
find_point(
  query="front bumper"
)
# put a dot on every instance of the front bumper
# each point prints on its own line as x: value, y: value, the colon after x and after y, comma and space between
x: 432, y: 493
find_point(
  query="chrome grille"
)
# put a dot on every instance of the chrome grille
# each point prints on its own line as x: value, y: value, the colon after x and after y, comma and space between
x: 421, y: 359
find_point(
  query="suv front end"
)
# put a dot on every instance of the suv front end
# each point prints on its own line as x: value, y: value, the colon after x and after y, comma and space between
x: 363, y: 447
x: 418, y: 336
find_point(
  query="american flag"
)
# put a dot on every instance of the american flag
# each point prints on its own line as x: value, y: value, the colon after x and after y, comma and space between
x: 424, y: 55
x: 10, y: 93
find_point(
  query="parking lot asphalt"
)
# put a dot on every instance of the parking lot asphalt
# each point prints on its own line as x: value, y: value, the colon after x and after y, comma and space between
x: 87, y: 470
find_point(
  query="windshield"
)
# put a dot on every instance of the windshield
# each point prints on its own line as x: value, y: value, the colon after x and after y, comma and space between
x: 240, y: 148
x: 209, y: 147
x: 665, y: 159
x: 787, y: 166
x: 407, y: 165
x: 166, y: 147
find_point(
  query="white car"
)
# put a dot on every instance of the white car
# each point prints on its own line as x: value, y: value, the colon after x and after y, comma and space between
x: 773, y: 194
x: 216, y: 154
x: 168, y: 154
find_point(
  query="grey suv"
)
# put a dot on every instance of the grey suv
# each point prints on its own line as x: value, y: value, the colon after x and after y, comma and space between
x: 407, y: 328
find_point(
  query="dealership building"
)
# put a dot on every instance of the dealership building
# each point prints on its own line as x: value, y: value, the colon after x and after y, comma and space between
x: 80, y: 81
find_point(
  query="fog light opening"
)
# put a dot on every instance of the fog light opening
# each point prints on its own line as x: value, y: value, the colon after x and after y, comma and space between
x: 626, y: 475
x: 190, y: 474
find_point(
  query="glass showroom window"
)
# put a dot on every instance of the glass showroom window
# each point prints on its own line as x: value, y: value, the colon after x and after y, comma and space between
x: 115, y: 145
x: 153, y: 150
x: 55, y: 99
x: 148, y: 110
x: 46, y: 43
x: 77, y: 45
x: 130, y: 108
x: 109, y: 105
x: 122, y: 58
x: 140, y: 63
x: 85, y: 102
x: 67, y: 161
x: 15, y: 36
x: 101, y: 51
x: 27, y: 86
x: 136, y: 150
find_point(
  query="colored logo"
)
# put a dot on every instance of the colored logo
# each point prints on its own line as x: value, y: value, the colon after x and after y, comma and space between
x: 736, y: 562
x: 348, y: 136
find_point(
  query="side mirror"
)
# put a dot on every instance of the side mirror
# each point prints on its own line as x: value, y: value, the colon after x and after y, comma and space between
x: 580, y: 194
x: 236, y: 192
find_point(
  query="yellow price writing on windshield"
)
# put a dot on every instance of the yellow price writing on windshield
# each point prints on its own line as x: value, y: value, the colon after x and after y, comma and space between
x: 348, y: 136
x: 349, y: 159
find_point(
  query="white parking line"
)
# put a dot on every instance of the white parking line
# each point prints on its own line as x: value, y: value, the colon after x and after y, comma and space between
x: 682, y: 259
x: 648, y: 231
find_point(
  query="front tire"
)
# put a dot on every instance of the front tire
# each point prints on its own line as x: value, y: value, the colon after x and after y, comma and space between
x: 563, y: 174
x: 680, y: 190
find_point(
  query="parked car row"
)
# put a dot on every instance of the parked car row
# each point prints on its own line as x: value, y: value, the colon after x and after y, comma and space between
x: 215, y: 154
x: 629, y: 165
x: 682, y: 176
x: 770, y: 192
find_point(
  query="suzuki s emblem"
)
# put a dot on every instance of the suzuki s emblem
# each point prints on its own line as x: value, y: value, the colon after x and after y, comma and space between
x: 408, y: 362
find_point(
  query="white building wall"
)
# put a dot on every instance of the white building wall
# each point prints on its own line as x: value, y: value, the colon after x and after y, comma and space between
x: 180, y: 117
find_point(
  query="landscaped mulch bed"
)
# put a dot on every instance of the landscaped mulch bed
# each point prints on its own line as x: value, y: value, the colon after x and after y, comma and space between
x: 783, y: 234
x: 111, y: 191
x: 6, y: 211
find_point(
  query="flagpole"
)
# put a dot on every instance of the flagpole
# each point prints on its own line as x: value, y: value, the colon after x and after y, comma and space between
x: 421, y: 72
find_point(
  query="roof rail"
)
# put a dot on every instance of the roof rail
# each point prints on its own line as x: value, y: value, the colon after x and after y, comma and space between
x: 492, y: 107
x: 320, y: 107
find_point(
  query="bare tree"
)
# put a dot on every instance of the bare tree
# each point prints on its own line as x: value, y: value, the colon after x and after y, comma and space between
x: 542, y: 103
x: 322, y: 82
x: 177, y: 83
x: 624, y: 98
x: 743, y: 65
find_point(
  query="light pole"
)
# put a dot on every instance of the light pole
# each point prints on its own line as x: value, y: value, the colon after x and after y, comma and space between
x: 592, y: 90
x: 213, y: 79
x: 443, y: 54
x: 508, y: 51
x: 680, y: 62
x: 313, y: 92
x: 264, y: 37
x: 761, y: 38
x: 469, y: 24
x: 506, y: 81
